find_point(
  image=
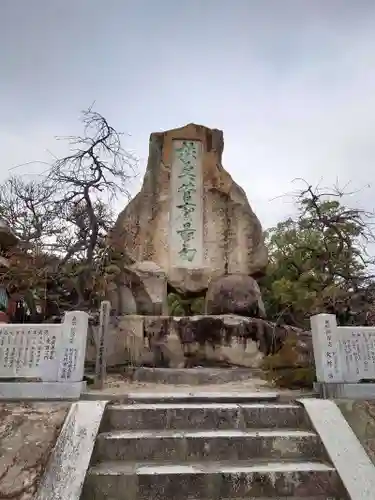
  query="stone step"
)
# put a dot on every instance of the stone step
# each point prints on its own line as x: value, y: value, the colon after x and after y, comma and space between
x: 200, y: 396
x: 187, y: 446
x: 192, y: 376
x: 205, y: 416
x: 211, y: 480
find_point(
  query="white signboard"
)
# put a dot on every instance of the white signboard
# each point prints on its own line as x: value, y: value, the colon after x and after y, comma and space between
x: 51, y: 352
x: 342, y: 353
x: 186, y: 214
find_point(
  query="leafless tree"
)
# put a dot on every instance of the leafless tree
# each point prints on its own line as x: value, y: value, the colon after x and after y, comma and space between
x: 68, y: 211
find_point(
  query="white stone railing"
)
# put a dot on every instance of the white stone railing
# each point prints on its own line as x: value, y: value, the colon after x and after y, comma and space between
x: 343, y: 354
x: 54, y: 354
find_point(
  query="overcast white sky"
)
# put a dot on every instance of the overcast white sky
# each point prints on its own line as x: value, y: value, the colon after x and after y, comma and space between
x: 291, y: 83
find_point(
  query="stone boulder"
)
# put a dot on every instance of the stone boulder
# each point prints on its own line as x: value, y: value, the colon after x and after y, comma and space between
x: 140, y: 288
x: 290, y: 362
x: 154, y: 281
x: 225, y: 340
x: 190, y: 217
x: 235, y: 294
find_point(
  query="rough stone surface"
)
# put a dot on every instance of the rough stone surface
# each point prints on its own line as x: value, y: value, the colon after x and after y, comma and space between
x: 232, y: 236
x: 28, y: 433
x: 140, y: 288
x: 212, y: 480
x: 178, y: 342
x: 292, y: 365
x: 360, y: 415
x: 198, y: 445
x: 205, y: 417
x: 235, y: 294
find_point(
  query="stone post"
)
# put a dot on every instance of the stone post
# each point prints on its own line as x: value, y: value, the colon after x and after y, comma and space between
x: 102, y: 341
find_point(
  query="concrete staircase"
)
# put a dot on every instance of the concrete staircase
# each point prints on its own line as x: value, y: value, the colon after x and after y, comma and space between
x: 208, y: 446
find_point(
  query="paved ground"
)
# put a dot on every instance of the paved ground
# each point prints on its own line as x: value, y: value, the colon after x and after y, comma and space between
x: 117, y: 385
x: 28, y: 432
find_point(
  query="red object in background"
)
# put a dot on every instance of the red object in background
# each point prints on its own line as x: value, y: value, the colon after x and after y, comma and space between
x: 4, y: 317
x: 12, y: 304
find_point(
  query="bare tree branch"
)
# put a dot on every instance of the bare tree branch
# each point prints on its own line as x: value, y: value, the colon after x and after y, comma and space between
x: 66, y: 213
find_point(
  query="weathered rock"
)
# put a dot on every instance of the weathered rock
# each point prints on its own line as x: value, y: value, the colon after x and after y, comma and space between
x: 154, y: 281
x: 190, y: 217
x: 28, y: 433
x: 178, y: 342
x: 360, y: 415
x: 235, y: 294
x: 291, y: 362
x: 140, y: 288
x: 141, y: 341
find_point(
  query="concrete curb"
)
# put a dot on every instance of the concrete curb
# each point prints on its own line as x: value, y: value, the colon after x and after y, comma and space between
x: 66, y: 470
x: 350, y: 459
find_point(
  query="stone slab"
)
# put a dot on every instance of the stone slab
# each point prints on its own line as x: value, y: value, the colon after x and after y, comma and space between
x: 66, y: 470
x: 342, y: 353
x: 211, y: 480
x: 235, y: 445
x: 345, y: 451
x: 202, y: 397
x: 345, y: 391
x: 204, y: 416
x: 50, y: 352
x: 14, y: 391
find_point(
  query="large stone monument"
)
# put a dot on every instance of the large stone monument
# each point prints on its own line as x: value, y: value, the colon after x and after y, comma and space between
x: 191, y: 231
x: 190, y: 217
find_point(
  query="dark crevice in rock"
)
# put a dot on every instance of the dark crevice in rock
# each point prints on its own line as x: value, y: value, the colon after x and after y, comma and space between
x: 186, y: 295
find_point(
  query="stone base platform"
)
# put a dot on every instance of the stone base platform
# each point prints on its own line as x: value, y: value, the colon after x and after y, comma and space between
x: 345, y: 391
x: 191, y: 376
x: 39, y: 391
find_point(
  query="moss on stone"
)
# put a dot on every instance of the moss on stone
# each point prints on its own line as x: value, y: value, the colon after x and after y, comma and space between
x: 184, y: 306
x: 288, y: 367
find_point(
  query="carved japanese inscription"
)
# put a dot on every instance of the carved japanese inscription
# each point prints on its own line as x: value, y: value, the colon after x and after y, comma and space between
x: 186, y: 216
